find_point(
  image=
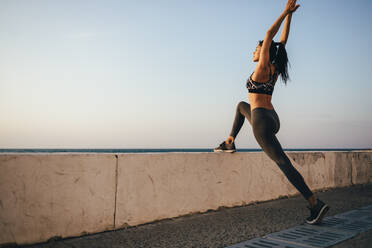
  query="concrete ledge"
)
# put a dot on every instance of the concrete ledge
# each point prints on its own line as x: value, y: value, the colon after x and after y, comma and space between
x: 45, y: 195
x: 48, y: 195
x: 361, y: 163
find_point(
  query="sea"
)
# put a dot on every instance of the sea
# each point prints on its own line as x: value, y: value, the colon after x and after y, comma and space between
x: 157, y: 150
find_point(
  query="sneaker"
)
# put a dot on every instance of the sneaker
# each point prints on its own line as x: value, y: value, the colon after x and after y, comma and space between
x: 317, y: 212
x: 225, y: 147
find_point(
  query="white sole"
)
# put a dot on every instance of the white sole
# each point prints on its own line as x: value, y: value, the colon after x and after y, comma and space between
x: 321, y: 214
x: 228, y: 151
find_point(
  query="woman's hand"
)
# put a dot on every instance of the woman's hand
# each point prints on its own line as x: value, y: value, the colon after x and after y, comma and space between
x: 291, y: 6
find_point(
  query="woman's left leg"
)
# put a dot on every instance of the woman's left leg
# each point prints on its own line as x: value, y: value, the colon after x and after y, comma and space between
x: 264, y: 129
x: 265, y: 125
x: 273, y: 149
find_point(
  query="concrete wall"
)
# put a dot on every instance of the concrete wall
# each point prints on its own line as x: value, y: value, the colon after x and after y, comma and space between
x: 48, y: 195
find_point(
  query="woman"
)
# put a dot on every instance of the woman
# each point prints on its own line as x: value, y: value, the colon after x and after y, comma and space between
x: 272, y: 62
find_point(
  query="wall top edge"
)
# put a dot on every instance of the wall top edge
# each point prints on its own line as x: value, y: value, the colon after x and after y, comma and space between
x: 167, y: 153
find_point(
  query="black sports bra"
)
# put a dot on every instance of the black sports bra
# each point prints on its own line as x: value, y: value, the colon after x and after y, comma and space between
x: 263, y: 88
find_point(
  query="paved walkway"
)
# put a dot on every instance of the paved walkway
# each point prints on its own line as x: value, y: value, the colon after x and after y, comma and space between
x: 227, y: 226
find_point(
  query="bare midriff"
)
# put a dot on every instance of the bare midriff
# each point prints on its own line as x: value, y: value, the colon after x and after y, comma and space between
x: 257, y: 100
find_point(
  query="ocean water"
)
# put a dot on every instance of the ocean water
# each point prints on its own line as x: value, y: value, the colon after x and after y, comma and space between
x: 155, y: 150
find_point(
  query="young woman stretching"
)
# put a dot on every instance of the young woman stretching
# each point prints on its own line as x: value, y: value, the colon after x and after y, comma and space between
x: 272, y: 63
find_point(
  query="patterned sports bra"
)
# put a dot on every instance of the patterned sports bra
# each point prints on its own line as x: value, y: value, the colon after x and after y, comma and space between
x: 263, y: 88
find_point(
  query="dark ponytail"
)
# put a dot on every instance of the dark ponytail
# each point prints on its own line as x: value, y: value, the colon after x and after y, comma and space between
x: 279, y: 58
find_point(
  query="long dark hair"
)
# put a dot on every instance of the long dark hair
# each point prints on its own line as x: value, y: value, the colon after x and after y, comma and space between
x: 279, y: 58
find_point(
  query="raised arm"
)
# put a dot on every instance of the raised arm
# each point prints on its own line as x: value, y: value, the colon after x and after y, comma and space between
x: 264, y: 55
x: 285, y: 32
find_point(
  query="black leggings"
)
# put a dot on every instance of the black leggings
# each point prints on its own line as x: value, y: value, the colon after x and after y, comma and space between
x: 265, y: 124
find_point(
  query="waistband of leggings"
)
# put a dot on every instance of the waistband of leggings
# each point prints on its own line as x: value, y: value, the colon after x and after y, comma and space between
x: 263, y: 109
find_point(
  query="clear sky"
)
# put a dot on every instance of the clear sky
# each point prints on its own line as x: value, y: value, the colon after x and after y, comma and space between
x: 169, y: 73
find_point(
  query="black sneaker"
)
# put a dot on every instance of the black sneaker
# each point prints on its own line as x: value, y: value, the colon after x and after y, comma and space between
x: 317, y: 212
x: 225, y: 147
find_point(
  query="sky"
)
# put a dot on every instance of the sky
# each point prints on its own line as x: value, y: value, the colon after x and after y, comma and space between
x: 169, y: 73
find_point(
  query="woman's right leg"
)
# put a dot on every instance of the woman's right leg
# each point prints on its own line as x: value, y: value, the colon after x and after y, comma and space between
x: 243, y: 110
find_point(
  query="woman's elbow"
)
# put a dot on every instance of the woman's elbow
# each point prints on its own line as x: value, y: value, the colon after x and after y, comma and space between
x: 270, y: 34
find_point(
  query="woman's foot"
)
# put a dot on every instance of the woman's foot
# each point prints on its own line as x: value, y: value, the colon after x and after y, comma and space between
x: 225, y: 147
x: 317, y: 212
